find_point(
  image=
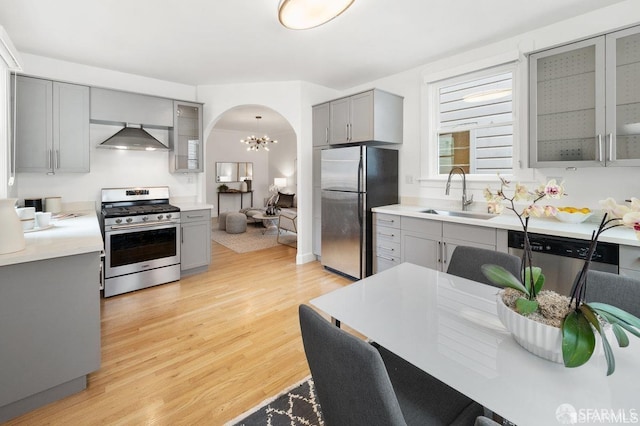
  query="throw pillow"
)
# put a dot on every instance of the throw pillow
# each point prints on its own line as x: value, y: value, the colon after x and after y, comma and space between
x: 285, y: 200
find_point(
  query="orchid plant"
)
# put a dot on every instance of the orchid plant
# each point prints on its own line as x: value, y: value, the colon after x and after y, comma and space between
x: 532, y: 278
x: 583, y: 319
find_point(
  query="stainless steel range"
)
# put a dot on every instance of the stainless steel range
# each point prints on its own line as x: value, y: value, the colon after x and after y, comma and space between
x: 142, y: 239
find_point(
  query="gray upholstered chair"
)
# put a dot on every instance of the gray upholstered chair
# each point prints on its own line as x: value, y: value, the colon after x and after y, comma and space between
x: 355, y: 387
x: 617, y: 290
x: 466, y: 262
x: 485, y: 421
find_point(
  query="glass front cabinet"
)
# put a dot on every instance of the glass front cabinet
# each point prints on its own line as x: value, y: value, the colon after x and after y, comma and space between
x: 585, y: 103
x: 186, y: 153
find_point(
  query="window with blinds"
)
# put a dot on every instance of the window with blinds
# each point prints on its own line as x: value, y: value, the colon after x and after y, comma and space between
x: 475, y: 123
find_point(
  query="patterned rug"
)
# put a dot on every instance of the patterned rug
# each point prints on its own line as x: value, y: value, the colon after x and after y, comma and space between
x: 295, y: 407
x: 253, y: 239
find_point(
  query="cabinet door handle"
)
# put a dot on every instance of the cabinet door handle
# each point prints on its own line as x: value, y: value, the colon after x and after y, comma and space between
x: 386, y: 220
x: 444, y: 254
x: 181, y: 235
x: 439, y: 252
x: 599, y: 148
x: 326, y: 135
x: 49, y: 159
x: 612, y: 147
x: 386, y: 248
x: 386, y: 235
x: 57, y: 159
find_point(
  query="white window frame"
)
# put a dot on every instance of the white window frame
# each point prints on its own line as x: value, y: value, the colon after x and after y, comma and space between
x: 511, y: 61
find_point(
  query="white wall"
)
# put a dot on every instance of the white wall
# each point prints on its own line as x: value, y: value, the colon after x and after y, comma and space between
x: 585, y: 186
x: 109, y: 168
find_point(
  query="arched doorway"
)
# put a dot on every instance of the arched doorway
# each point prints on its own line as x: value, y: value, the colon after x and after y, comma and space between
x: 223, y: 146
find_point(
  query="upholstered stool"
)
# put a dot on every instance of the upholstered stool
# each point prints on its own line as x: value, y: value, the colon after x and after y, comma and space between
x: 236, y: 223
x: 222, y: 221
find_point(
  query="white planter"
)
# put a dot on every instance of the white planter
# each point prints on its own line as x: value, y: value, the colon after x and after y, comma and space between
x: 540, y: 339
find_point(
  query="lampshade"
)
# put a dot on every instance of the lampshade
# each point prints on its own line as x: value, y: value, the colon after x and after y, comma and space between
x: 280, y: 182
x: 305, y: 14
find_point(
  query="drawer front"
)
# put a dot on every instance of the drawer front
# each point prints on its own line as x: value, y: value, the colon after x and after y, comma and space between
x: 474, y: 234
x: 387, y: 220
x: 388, y: 248
x: 387, y: 235
x: 195, y: 215
x: 423, y: 226
x: 383, y: 262
x: 630, y: 257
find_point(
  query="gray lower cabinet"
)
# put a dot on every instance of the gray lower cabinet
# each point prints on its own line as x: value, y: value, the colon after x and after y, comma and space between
x: 49, y: 329
x: 195, y: 250
x: 52, y: 126
x: 426, y: 242
x: 630, y: 261
x: 386, y: 241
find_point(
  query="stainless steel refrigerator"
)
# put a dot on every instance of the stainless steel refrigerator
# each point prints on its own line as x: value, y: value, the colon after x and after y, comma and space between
x: 354, y: 179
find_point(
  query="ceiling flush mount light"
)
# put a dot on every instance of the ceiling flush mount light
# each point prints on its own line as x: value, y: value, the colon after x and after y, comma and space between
x: 487, y: 95
x: 305, y: 14
x: 255, y: 143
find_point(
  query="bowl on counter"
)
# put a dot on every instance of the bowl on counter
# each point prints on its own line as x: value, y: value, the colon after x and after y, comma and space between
x: 573, y: 214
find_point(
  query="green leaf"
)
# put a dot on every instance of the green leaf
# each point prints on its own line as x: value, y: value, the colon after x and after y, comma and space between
x: 613, y: 320
x: 526, y: 306
x: 590, y: 315
x: 498, y: 275
x: 538, y: 278
x: 621, y: 336
x: 578, y: 340
x: 616, y: 312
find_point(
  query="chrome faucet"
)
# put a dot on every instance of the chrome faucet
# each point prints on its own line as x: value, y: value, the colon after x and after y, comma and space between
x: 465, y: 201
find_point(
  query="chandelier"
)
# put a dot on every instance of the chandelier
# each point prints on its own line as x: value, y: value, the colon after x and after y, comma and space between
x: 255, y: 143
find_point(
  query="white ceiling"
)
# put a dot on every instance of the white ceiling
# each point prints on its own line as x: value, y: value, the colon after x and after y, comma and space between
x: 199, y: 42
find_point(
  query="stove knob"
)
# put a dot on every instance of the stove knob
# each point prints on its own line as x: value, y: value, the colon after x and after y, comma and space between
x: 129, y: 220
x: 160, y: 217
x: 118, y: 221
x: 169, y: 216
x: 145, y: 218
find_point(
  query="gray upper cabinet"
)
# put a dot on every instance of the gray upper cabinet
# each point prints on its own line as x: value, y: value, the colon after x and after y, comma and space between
x: 185, y: 155
x: 320, y: 124
x: 117, y: 107
x: 374, y: 115
x: 52, y: 126
x: 585, y: 103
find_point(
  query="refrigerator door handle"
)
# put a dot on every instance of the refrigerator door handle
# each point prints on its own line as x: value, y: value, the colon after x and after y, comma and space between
x: 360, y: 178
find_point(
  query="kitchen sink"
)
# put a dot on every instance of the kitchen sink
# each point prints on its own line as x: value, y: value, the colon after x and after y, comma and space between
x: 457, y: 213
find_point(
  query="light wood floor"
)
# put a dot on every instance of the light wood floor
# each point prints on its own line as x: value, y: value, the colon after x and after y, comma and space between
x: 199, y: 351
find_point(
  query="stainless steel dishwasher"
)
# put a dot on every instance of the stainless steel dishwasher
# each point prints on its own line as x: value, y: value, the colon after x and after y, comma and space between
x: 561, y: 258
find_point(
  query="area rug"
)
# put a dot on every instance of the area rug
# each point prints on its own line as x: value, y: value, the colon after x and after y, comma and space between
x: 253, y: 239
x: 297, y: 406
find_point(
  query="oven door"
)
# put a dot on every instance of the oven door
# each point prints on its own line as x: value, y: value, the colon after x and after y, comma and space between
x: 130, y: 249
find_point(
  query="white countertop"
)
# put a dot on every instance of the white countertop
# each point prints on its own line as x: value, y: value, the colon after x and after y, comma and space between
x: 550, y: 225
x: 185, y: 207
x: 67, y: 237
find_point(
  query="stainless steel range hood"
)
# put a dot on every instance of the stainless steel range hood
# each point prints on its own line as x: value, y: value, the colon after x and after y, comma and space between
x: 133, y: 137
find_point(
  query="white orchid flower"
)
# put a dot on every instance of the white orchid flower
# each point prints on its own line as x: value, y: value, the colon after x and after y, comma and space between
x: 631, y: 218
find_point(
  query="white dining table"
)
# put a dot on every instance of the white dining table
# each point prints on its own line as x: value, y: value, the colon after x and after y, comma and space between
x: 448, y: 327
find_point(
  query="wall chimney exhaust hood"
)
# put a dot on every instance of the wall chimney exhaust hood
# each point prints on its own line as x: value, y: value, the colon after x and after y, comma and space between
x: 134, y: 137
